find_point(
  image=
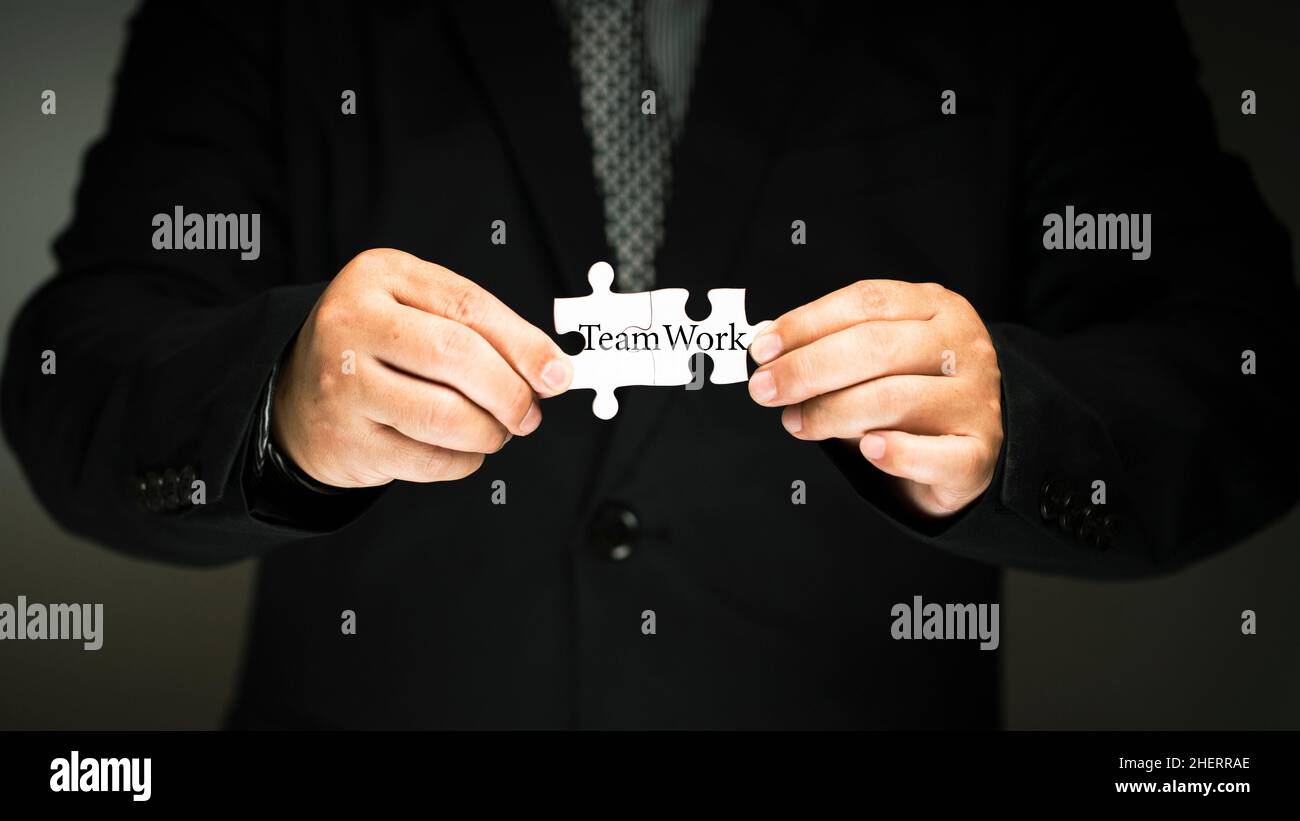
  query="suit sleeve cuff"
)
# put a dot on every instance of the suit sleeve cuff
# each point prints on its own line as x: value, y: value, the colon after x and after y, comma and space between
x: 1038, y: 512
x: 278, y: 492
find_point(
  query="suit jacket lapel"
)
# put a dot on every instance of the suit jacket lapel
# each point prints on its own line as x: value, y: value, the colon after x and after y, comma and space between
x: 746, y: 75
x: 520, y: 54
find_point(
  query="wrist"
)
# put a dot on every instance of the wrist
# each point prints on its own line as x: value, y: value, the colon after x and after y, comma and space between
x: 271, y: 456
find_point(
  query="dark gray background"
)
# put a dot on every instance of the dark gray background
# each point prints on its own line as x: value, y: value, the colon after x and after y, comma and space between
x: 1165, y: 653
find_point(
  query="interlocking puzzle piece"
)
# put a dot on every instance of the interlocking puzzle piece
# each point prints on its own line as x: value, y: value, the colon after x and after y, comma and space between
x: 647, y: 338
x: 724, y: 336
x: 612, y: 312
x: 606, y: 312
x: 603, y: 371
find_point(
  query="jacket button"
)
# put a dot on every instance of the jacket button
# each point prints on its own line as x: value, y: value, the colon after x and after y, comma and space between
x: 1049, y: 499
x: 614, y: 531
x: 171, y: 500
x: 1089, y: 530
x: 153, y: 492
x: 1072, y: 508
x: 185, y: 484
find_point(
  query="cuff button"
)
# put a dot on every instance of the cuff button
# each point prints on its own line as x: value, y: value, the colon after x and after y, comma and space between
x: 1049, y: 499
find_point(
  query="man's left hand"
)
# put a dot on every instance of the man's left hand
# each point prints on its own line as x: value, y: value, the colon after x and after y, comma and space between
x: 904, y: 371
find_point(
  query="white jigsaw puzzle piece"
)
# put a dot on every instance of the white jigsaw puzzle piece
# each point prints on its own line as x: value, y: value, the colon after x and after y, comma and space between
x: 660, y: 315
x: 672, y: 366
x: 605, y: 370
x: 613, y: 312
x: 725, y: 336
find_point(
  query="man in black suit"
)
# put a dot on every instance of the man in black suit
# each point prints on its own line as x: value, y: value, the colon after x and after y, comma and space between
x: 345, y: 405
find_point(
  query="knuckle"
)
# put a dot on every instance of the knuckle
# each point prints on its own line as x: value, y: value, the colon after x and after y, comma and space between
x: 785, y: 378
x: 880, y: 344
x: 333, y: 313
x: 433, y: 463
x: 370, y: 261
x: 537, y: 349
x: 983, y: 349
x: 464, y: 304
x: 324, y: 383
x: 463, y: 465
x: 797, y: 375
x: 887, y: 396
x: 328, y: 379
x: 870, y: 299
x: 970, y: 464
x: 519, y: 401
x: 392, y: 326
x: 958, y: 302
x: 369, y: 258
x: 472, y: 464
x: 993, y: 444
x: 499, y: 439
x: 451, y: 342
x: 812, y: 419
x: 947, y: 501
x: 437, y: 417
x: 993, y: 406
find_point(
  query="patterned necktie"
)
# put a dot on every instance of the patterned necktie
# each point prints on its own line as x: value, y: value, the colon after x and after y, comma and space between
x: 630, y: 150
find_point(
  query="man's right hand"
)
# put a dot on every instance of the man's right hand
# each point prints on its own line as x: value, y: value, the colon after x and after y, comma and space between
x: 406, y: 370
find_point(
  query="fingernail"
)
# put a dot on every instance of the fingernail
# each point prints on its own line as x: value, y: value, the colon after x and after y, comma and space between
x: 765, y: 348
x: 873, y: 446
x: 793, y: 418
x: 556, y: 374
x: 531, y: 420
x: 762, y: 387
x: 509, y: 436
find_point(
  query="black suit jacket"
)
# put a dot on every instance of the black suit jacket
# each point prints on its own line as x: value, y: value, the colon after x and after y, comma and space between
x: 769, y: 614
